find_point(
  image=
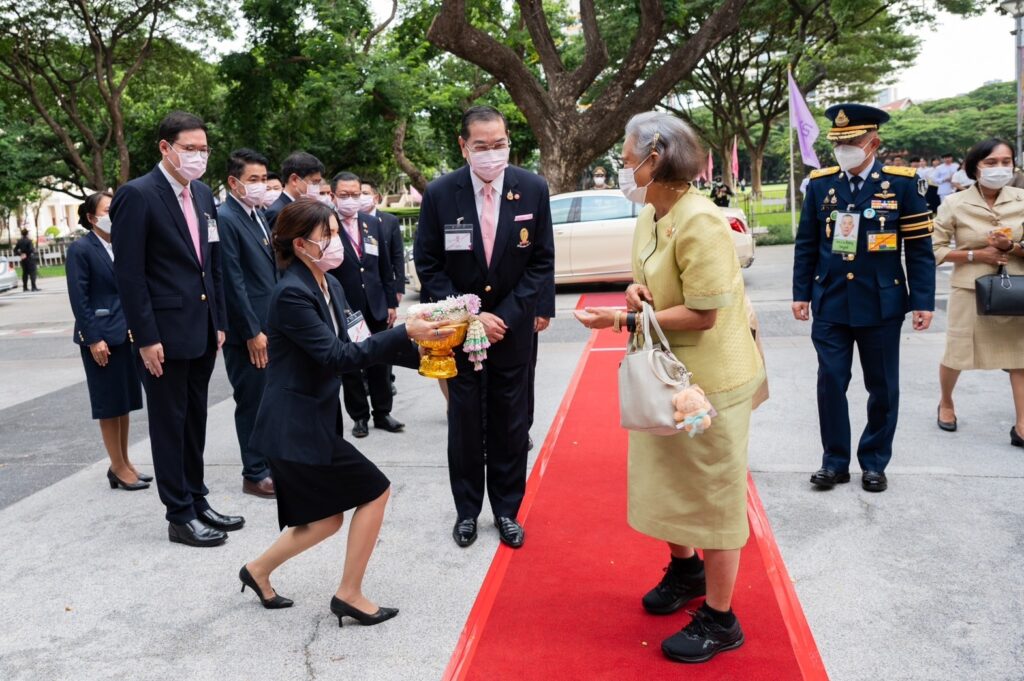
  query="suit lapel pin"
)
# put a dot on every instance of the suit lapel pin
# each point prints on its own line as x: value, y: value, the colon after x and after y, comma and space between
x: 875, y: 176
x: 510, y: 195
x: 524, y: 238
x: 886, y: 184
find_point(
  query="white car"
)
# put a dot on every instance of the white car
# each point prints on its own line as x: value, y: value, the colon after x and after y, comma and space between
x: 594, y: 237
x: 8, y: 274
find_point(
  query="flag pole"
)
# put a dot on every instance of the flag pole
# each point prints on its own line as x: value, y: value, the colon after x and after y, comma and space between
x: 792, y: 178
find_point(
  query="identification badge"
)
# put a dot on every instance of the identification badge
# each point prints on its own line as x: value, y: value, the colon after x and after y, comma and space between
x: 844, y: 240
x: 879, y: 242
x: 356, y: 327
x: 370, y: 247
x: 458, y: 237
x: 212, y: 235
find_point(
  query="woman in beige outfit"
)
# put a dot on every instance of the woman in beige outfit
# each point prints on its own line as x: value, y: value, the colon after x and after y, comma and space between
x: 689, y: 492
x: 985, y: 222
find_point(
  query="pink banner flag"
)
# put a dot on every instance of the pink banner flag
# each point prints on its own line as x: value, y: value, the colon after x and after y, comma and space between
x: 711, y: 167
x: 801, y: 120
x: 736, y: 157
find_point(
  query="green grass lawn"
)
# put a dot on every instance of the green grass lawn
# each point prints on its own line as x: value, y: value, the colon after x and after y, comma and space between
x: 51, y: 271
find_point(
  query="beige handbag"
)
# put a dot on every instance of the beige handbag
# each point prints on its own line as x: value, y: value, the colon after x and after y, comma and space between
x: 648, y: 378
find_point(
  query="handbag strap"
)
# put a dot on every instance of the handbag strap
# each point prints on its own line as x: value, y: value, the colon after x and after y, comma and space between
x: 649, y: 320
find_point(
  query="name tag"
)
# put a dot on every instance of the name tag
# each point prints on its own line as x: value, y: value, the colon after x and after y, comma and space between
x: 370, y: 248
x: 844, y: 235
x: 356, y: 327
x: 458, y: 237
x: 212, y: 235
x: 882, y: 241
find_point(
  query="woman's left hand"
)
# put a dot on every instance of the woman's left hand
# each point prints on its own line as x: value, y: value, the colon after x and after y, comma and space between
x: 597, y: 317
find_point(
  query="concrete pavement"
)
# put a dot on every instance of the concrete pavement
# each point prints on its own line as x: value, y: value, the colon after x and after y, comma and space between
x: 921, y: 582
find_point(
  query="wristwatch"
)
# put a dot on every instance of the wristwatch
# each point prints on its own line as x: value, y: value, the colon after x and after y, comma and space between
x: 970, y: 256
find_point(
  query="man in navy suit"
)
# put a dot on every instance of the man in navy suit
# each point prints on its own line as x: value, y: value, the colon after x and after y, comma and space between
x: 247, y: 260
x: 303, y: 174
x: 486, y: 229
x: 368, y: 280
x: 394, y: 242
x: 857, y: 220
x: 167, y: 263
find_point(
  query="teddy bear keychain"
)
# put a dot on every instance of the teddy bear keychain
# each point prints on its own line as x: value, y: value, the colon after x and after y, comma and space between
x: 693, y: 411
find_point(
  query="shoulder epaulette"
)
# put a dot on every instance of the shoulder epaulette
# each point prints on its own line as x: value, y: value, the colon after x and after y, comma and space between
x: 905, y: 171
x: 823, y: 172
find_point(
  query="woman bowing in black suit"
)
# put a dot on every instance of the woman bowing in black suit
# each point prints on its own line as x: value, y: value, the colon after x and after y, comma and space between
x: 317, y: 473
x: 102, y: 334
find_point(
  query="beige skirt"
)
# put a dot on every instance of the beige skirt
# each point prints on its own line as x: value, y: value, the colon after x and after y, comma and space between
x: 693, y: 491
x: 974, y: 342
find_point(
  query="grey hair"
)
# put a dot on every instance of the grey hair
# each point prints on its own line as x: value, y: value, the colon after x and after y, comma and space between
x: 680, y: 155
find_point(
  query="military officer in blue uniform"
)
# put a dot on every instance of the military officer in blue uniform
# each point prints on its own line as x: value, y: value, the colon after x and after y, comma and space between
x: 857, y: 220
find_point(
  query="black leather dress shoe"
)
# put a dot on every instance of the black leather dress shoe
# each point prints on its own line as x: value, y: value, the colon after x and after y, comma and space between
x: 464, y: 531
x: 1015, y: 439
x: 826, y: 478
x: 511, y: 532
x: 873, y: 481
x: 389, y: 423
x: 195, y: 533
x: 225, y: 523
x: 360, y: 428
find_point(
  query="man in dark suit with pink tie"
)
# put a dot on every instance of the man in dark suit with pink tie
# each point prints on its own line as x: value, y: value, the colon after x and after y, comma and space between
x: 167, y: 263
x: 486, y: 229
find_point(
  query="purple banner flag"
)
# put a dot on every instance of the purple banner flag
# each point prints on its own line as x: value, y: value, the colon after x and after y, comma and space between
x: 803, y: 122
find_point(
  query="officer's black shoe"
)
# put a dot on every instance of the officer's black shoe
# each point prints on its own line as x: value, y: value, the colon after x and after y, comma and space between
x: 702, y: 639
x: 510, y: 531
x: 464, y: 531
x: 873, y: 481
x: 388, y: 423
x: 361, y: 428
x: 1015, y: 439
x: 675, y: 590
x: 826, y: 478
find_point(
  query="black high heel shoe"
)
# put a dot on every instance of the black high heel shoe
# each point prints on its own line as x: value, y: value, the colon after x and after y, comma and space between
x: 116, y: 482
x: 343, y: 609
x: 275, y: 603
x: 143, y: 476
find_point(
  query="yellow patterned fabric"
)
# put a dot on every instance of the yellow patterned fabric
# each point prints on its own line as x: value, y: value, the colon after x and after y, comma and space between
x: 688, y: 258
x: 903, y: 171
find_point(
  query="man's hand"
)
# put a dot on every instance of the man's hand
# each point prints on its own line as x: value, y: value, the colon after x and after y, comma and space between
x: 540, y: 323
x: 801, y: 311
x: 221, y: 335
x: 258, y: 350
x: 100, y: 352
x: 922, y: 320
x: 635, y: 294
x: 494, y: 326
x: 153, y: 359
x: 392, y: 316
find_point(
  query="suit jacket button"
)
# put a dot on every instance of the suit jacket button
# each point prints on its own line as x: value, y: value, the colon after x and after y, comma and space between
x: 202, y: 297
x: 817, y: 277
x: 362, y: 269
x: 487, y: 288
x: 896, y: 281
x: 849, y: 275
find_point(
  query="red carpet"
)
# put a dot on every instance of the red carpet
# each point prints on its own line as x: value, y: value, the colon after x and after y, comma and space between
x: 567, y: 605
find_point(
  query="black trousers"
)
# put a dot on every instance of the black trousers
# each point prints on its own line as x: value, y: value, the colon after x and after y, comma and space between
x: 176, y: 404
x: 879, y: 349
x: 378, y: 377
x: 247, y: 382
x: 26, y: 274
x: 488, y: 424
x: 533, y: 377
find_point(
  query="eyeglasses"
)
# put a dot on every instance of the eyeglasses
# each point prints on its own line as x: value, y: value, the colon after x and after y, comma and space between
x: 497, y: 146
x: 192, y: 148
x: 347, y: 195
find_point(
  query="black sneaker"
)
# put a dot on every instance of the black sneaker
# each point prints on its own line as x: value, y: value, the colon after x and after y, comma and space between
x: 702, y: 639
x: 674, y: 591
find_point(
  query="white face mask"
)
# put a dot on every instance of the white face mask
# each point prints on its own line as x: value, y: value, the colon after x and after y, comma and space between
x: 489, y: 164
x: 103, y: 224
x: 191, y: 164
x: 627, y: 184
x: 849, y: 155
x: 598, y: 180
x: 253, y: 194
x: 366, y: 202
x: 348, y: 207
x: 313, y: 191
x: 270, y: 196
x: 995, y: 178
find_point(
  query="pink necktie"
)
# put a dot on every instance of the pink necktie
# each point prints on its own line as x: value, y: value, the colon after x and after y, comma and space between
x: 191, y: 220
x: 352, y: 227
x: 487, y: 226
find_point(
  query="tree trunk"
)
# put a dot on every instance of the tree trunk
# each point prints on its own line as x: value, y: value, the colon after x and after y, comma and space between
x: 561, y: 166
x: 416, y: 175
x: 756, y: 165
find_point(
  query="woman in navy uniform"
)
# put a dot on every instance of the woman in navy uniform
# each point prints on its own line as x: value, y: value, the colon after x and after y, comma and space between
x: 102, y: 334
x: 318, y: 475
x: 857, y: 289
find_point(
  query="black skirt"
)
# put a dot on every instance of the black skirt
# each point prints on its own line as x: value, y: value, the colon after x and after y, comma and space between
x: 308, y: 492
x: 114, y: 390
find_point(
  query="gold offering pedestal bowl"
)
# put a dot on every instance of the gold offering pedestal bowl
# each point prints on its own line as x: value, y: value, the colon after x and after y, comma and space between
x: 439, y: 362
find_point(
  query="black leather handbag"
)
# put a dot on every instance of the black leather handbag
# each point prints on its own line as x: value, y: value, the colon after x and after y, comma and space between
x: 1000, y: 294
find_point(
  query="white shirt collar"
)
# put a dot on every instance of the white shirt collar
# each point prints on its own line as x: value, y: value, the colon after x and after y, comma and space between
x: 863, y: 175
x: 175, y: 185
x: 478, y: 184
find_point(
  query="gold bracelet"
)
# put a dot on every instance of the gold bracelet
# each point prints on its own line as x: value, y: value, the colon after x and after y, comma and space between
x: 617, y: 324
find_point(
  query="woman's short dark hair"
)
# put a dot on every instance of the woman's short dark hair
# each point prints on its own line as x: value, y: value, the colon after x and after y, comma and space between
x: 680, y: 154
x: 178, y: 122
x: 480, y: 114
x: 980, y: 151
x: 89, y: 207
x: 298, y: 220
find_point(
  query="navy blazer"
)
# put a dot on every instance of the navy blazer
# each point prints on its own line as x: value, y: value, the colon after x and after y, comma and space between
x: 250, y: 273
x: 391, y: 231
x: 301, y: 407
x: 368, y: 280
x: 92, y: 289
x: 522, y: 263
x: 871, y: 289
x: 168, y: 296
x: 276, y: 207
